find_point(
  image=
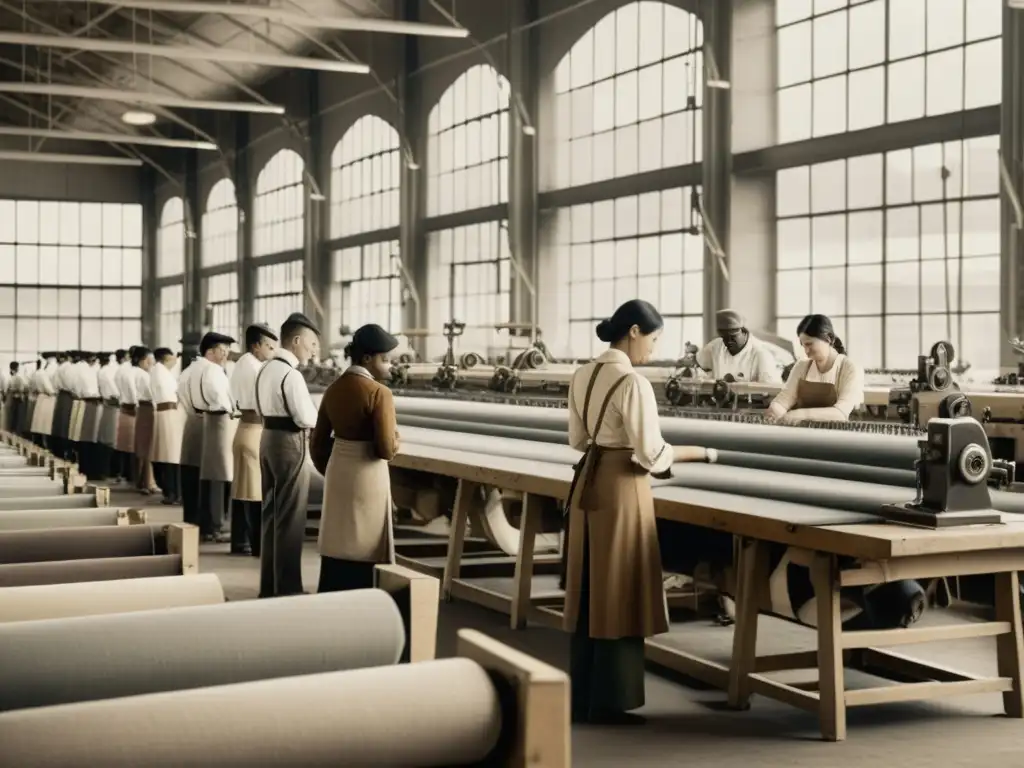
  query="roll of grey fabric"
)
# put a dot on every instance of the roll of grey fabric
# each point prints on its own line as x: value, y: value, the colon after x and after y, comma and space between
x: 890, y: 451
x: 73, y: 571
x: 314, y: 721
x: 36, y: 519
x: 64, y: 501
x: 103, y: 657
x: 81, y: 543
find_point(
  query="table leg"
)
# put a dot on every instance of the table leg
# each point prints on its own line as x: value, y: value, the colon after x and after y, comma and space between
x: 831, y: 685
x: 752, y: 565
x: 1010, y: 647
x: 460, y: 519
x: 529, y: 526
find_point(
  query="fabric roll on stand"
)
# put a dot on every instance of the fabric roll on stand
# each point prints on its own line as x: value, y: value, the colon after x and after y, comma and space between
x: 502, y: 708
x: 93, y: 598
x: 75, y: 659
x: 33, y: 519
x: 99, y: 497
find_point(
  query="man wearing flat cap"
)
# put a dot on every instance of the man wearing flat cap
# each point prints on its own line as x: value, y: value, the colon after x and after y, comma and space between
x: 356, y: 435
x: 283, y: 403
x: 737, y: 353
x: 246, y: 488
x: 168, y: 424
x: 210, y: 394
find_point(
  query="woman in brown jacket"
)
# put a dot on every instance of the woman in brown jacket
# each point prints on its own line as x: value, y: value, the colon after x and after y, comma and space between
x: 614, y: 596
x: 355, y: 437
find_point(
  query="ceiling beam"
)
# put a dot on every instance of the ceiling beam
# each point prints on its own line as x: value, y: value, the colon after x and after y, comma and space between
x: 183, y: 52
x: 124, y: 96
x: 24, y: 156
x: 292, y: 18
x: 109, y: 138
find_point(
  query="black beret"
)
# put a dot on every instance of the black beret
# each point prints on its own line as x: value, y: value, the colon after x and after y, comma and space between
x: 371, y: 339
x: 212, y: 339
x: 264, y: 330
x: 297, y: 318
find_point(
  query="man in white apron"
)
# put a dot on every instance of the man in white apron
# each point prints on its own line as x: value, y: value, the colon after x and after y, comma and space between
x: 106, y: 437
x: 33, y: 394
x: 62, y: 409
x: 246, y: 488
x: 89, y: 389
x: 42, y: 417
x: 14, y: 398
x: 74, y: 382
x: 167, y: 427
x: 737, y: 353
x: 142, y: 363
x: 125, y: 441
x: 191, y: 441
x: 287, y: 411
x: 211, y: 395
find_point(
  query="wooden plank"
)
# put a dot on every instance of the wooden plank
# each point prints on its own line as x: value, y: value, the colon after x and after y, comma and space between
x: 529, y: 527
x: 460, y: 520
x: 753, y: 569
x: 786, y: 693
x: 831, y: 682
x: 964, y: 563
x: 890, y: 694
x: 1010, y: 648
x: 876, y: 660
x: 888, y: 637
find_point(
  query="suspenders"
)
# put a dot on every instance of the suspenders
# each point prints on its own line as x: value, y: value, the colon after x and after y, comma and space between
x: 284, y: 397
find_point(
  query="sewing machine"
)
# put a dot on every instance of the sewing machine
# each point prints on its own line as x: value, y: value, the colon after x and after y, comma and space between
x: 952, y: 478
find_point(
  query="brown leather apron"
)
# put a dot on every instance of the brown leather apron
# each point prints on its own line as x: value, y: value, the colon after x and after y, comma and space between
x: 816, y: 394
x: 611, y: 511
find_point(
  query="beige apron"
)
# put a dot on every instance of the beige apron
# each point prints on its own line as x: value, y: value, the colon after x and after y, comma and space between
x: 126, y: 429
x: 355, y: 516
x: 144, y: 430
x: 91, y: 420
x: 247, y: 485
x: 42, y: 418
x: 217, y: 462
x: 168, y: 426
x: 192, y: 440
x: 611, y: 508
x: 75, y: 425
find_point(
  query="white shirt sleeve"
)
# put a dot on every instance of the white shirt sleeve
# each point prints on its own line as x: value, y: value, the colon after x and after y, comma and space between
x: 216, y: 389
x: 765, y: 368
x: 142, y: 385
x: 129, y: 389
x: 303, y: 411
x: 786, y: 399
x: 642, y: 424
x: 705, y: 356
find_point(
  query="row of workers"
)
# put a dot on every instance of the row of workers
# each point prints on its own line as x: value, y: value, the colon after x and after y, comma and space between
x: 235, y: 447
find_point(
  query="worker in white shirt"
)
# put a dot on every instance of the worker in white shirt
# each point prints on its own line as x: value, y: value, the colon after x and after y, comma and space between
x: 168, y: 425
x: 211, y: 395
x: 62, y: 409
x: 127, y: 389
x: 191, y: 443
x: 42, y: 416
x: 737, y: 353
x: 288, y: 413
x: 89, y: 391
x: 106, y: 437
x: 142, y: 362
x: 12, y: 398
x: 79, y: 366
x: 30, y: 399
x: 5, y: 385
x: 246, y: 488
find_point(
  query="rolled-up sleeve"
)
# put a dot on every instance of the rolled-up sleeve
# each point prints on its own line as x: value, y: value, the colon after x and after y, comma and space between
x: 643, y: 426
x: 578, y: 437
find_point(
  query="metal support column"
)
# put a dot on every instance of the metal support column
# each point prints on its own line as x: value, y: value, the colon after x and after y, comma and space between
x: 717, y: 154
x: 412, y: 237
x: 1011, y: 156
x: 243, y: 198
x: 151, y: 224
x: 522, y: 193
x: 315, y: 265
x: 194, y: 311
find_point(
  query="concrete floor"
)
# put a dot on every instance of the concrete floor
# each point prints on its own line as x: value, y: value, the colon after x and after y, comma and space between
x: 688, y: 723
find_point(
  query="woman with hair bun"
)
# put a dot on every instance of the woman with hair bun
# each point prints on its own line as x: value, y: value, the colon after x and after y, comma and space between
x: 614, y: 596
x: 827, y: 386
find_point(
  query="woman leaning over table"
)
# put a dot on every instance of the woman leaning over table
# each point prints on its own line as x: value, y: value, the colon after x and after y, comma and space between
x: 614, y: 596
x: 827, y: 386
x: 355, y: 437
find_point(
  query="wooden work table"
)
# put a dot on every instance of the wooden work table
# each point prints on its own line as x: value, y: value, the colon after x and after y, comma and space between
x: 818, y: 538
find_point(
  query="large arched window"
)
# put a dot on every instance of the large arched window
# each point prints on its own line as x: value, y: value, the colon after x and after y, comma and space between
x: 170, y: 248
x: 849, y: 68
x: 467, y: 158
x: 365, y: 178
x: 220, y: 225
x: 628, y: 96
x: 628, y: 101
x: 279, y: 211
x: 900, y: 249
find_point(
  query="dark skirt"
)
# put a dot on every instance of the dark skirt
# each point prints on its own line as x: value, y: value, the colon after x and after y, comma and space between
x: 607, y: 675
x: 338, y: 575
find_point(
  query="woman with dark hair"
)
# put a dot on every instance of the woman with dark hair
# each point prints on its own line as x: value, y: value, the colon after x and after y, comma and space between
x: 614, y: 596
x: 355, y: 436
x: 827, y: 386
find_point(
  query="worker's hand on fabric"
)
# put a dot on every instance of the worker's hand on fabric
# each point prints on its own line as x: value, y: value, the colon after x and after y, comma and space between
x: 794, y: 417
x: 711, y: 455
x: 689, y: 453
x: 775, y: 412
